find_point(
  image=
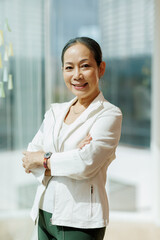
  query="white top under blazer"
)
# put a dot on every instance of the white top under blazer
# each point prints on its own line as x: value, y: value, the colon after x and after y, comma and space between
x: 78, y: 175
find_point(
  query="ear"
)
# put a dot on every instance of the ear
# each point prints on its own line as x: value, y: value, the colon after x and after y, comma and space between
x: 102, y: 69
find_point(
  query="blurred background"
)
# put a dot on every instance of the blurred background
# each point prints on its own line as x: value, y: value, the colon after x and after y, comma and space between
x: 32, y: 35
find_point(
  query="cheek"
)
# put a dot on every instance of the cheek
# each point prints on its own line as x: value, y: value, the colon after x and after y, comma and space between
x: 66, y: 77
x: 93, y: 77
x: 67, y: 80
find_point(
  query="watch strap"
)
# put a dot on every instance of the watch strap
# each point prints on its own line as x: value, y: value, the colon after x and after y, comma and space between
x: 45, y: 165
x: 46, y: 157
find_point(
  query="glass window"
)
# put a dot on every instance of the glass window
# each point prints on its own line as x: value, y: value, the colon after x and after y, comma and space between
x: 22, y: 95
x: 127, y: 42
x: 21, y: 108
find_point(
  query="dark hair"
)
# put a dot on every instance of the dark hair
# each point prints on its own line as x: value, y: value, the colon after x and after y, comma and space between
x: 89, y: 43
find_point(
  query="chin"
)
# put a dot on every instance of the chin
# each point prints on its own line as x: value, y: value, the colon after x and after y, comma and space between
x: 80, y: 93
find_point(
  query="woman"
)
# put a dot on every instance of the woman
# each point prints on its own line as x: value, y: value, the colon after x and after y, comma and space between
x: 72, y: 150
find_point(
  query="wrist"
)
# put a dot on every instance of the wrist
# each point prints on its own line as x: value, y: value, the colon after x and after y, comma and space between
x: 38, y: 159
x: 46, y: 160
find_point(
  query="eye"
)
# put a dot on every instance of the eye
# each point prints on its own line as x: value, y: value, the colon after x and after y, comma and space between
x: 85, y: 65
x: 68, y: 67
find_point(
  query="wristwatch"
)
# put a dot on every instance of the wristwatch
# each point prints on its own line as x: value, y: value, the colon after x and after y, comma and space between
x: 47, y: 155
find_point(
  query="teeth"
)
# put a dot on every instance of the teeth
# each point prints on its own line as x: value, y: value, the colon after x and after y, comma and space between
x: 78, y: 85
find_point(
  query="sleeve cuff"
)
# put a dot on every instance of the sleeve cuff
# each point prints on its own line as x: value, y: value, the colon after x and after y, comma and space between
x: 59, y: 163
x: 39, y: 173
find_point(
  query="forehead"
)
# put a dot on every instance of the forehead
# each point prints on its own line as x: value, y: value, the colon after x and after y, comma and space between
x: 78, y: 51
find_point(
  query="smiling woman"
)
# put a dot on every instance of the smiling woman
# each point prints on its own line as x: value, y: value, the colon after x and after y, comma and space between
x: 72, y: 150
x: 82, y: 68
x: 81, y: 72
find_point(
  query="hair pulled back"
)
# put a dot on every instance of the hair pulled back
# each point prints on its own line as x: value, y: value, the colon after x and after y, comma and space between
x: 89, y: 43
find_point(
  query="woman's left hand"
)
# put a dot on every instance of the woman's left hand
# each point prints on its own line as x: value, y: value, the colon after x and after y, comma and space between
x: 32, y: 160
x: 85, y: 141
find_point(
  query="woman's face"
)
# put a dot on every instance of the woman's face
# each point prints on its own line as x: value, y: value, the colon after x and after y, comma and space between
x: 80, y: 71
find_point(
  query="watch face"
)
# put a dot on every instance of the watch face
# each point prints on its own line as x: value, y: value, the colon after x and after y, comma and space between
x: 47, y: 155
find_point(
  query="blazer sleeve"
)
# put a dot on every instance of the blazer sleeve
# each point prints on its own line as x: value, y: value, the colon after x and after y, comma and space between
x: 37, y: 144
x: 86, y: 162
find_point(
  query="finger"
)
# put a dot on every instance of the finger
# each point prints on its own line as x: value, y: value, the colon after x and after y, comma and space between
x: 27, y: 171
x: 86, y: 141
x: 88, y: 137
x: 24, y: 159
x: 82, y: 145
x: 24, y: 153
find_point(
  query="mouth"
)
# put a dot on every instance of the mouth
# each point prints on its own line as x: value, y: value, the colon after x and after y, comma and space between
x: 79, y: 86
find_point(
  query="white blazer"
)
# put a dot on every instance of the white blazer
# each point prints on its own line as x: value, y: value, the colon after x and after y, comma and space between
x: 79, y: 175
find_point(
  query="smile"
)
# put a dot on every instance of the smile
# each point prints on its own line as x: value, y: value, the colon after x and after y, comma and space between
x: 79, y: 86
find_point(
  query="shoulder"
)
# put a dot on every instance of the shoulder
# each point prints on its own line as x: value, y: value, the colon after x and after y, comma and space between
x: 56, y: 109
x: 110, y: 116
x: 108, y: 107
x: 111, y: 108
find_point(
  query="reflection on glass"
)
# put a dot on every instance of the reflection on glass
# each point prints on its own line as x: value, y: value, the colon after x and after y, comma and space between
x: 127, y: 40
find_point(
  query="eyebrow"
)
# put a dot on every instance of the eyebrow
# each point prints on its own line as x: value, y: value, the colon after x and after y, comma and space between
x: 80, y: 61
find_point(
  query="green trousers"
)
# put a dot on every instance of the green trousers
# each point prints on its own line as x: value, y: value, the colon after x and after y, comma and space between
x: 46, y: 231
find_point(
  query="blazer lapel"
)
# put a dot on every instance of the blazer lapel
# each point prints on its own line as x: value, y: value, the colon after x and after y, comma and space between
x: 59, y: 112
x: 94, y: 107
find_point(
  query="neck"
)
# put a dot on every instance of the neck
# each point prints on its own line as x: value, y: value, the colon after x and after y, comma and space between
x: 86, y: 101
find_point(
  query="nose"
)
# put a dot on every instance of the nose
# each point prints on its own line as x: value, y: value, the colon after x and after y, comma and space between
x: 77, y: 74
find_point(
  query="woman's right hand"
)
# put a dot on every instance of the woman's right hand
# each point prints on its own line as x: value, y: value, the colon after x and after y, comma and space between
x: 85, y: 141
